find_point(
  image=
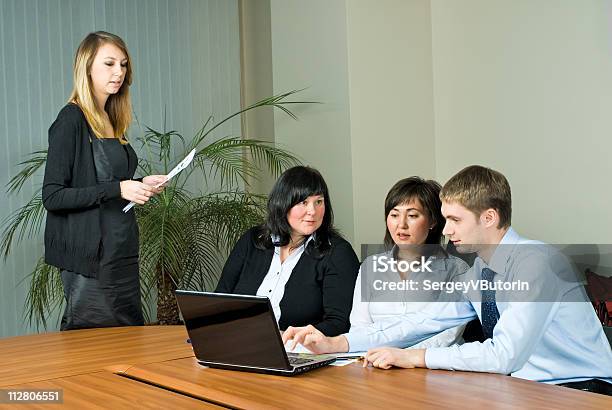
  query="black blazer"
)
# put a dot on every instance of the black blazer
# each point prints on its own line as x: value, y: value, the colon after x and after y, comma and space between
x: 319, y: 291
x: 72, y: 196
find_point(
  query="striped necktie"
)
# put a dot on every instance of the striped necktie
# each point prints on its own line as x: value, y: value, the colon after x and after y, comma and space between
x: 488, y: 308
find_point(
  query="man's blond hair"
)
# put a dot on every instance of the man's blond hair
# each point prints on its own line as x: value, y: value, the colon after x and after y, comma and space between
x: 479, y: 188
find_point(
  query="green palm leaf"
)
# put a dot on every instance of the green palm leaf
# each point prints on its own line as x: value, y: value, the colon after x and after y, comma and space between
x: 216, y: 222
x: 30, y: 166
x: 45, y: 294
x: 276, y: 101
x: 25, y: 220
x: 184, y: 236
x: 162, y: 240
x: 227, y: 161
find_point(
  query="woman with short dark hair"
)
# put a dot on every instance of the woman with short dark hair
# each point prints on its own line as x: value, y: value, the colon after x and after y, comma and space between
x: 296, y: 258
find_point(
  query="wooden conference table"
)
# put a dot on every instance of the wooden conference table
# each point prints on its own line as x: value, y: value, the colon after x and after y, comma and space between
x: 153, y: 367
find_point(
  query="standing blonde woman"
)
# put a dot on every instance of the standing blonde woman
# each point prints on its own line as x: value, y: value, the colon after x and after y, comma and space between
x: 88, y: 180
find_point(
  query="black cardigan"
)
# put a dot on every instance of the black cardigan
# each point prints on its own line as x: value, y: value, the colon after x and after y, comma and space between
x: 72, y: 195
x: 319, y: 291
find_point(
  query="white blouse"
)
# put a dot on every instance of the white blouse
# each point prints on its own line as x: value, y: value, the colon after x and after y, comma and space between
x: 273, y: 284
x: 371, y: 306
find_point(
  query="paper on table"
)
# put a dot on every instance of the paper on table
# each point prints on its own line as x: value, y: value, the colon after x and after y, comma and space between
x: 342, y: 359
x: 340, y: 356
x: 343, y: 362
x: 350, y: 355
x: 180, y: 166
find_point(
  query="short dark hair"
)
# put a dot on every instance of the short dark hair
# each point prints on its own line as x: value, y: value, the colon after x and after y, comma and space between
x: 479, y: 188
x: 292, y: 187
x: 428, y: 194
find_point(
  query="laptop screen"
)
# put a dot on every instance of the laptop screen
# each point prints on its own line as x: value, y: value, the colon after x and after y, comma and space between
x: 232, y: 329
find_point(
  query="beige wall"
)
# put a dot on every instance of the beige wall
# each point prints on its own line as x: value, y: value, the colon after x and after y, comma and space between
x: 429, y: 86
x: 391, y: 104
x: 309, y: 49
x: 526, y: 87
x: 346, y: 53
x: 256, y: 77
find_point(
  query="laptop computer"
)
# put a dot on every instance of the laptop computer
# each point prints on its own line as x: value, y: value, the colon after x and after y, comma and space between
x: 239, y: 332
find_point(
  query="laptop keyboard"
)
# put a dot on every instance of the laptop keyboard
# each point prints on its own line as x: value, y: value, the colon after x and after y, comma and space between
x: 296, y: 361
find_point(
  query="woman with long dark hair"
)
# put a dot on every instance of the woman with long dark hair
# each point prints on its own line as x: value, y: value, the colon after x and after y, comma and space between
x: 296, y: 258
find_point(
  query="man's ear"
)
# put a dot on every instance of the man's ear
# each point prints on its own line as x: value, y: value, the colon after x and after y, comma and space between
x: 489, y: 218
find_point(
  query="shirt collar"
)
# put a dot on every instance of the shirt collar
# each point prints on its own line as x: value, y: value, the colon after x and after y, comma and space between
x: 510, y: 238
x: 276, y: 238
x: 502, y: 253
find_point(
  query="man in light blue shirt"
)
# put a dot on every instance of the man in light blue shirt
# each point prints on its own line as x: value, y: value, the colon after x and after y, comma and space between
x: 549, y: 334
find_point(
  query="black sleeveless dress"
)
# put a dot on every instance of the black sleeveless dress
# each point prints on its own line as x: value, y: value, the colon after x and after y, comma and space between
x: 113, y: 298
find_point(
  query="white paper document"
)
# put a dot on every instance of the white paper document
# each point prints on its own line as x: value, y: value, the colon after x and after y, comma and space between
x: 343, y: 362
x: 175, y: 171
x: 342, y: 359
x: 350, y: 355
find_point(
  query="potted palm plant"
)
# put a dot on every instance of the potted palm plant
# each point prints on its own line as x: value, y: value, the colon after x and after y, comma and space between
x: 185, y: 233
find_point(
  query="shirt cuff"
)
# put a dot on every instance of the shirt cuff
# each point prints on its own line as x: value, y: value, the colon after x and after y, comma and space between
x: 357, y: 341
x: 437, y: 358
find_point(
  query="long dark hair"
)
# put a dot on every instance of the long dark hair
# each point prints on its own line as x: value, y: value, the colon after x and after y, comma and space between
x: 428, y: 194
x: 292, y: 187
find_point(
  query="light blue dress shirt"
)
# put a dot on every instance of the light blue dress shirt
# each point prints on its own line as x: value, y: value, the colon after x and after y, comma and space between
x: 558, y: 340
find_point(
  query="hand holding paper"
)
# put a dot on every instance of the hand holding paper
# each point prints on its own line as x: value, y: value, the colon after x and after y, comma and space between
x: 136, y: 191
x: 156, y: 182
x: 178, y: 168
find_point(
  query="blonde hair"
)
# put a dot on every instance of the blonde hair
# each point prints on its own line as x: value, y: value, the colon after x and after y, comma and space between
x: 118, y: 106
x: 479, y: 188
